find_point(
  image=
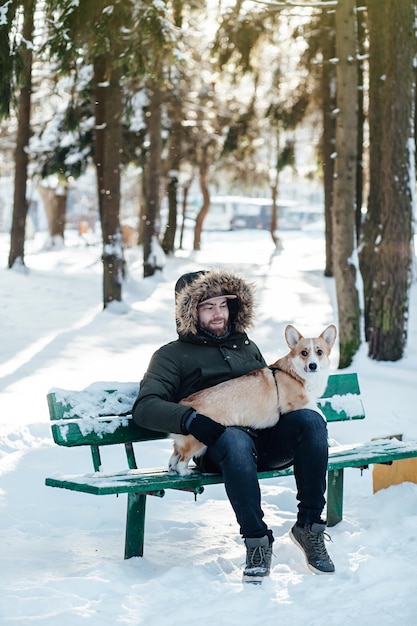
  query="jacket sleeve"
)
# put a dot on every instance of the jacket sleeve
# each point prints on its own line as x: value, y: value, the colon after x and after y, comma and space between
x: 262, y: 362
x: 156, y: 406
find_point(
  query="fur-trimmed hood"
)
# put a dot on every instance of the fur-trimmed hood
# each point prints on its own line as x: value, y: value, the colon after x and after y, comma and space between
x: 193, y: 288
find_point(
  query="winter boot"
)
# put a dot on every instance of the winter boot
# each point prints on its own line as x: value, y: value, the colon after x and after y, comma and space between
x: 310, y: 539
x: 258, y: 559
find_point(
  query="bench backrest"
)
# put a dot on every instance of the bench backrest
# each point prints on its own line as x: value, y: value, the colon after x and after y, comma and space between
x: 101, y: 414
x: 342, y: 398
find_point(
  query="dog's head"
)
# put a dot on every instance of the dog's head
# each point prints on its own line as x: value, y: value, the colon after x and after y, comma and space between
x: 310, y: 355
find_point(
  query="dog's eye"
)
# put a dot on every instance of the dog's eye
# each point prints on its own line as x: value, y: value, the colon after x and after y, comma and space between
x: 304, y: 352
x: 319, y: 352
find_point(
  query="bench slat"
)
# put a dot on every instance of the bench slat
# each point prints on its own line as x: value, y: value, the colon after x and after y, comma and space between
x: 101, y: 432
x: 377, y: 451
x: 98, y: 400
x: 145, y: 481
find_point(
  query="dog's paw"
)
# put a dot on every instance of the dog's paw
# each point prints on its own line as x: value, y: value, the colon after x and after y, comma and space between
x: 183, y: 469
x: 173, y: 464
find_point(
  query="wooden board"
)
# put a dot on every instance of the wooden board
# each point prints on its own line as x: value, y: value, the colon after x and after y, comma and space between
x: 384, y: 476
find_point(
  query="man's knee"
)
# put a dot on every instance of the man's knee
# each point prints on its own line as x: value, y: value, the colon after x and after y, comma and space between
x: 235, y: 442
x: 237, y: 438
x: 306, y: 420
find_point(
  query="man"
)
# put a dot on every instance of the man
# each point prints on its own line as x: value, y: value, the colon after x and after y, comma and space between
x: 213, y: 311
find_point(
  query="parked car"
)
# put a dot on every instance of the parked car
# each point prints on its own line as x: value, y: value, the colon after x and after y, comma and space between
x: 230, y: 212
x: 252, y: 213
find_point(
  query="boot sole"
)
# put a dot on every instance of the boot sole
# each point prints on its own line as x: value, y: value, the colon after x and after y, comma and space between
x: 253, y: 580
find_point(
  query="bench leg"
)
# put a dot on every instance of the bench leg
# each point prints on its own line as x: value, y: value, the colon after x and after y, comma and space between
x: 334, y: 497
x: 135, y: 524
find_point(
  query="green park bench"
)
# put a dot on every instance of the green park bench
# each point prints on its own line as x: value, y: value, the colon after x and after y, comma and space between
x: 100, y: 416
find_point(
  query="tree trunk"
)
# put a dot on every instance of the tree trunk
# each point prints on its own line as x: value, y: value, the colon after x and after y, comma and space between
x: 362, y: 35
x: 108, y: 148
x: 344, y: 191
x: 206, y: 198
x: 386, y: 253
x: 55, y: 204
x: 175, y: 156
x: 377, y: 63
x: 153, y: 181
x: 168, y: 243
x: 329, y: 129
x: 20, y: 203
x: 185, y: 190
x: 274, y: 225
x: 274, y: 183
x: 60, y: 206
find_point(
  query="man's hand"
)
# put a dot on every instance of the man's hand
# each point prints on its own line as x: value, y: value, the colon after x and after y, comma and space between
x: 204, y: 428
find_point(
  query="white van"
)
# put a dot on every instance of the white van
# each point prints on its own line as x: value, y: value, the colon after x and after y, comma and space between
x: 220, y: 213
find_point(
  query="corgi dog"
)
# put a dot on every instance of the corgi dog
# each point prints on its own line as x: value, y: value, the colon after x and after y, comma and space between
x: 257, y: 399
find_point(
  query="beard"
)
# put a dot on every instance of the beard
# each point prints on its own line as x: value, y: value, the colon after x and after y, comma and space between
x: 218, y: 331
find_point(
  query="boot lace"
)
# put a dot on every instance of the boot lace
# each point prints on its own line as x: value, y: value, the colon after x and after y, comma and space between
x: 259, y: 556
x: 317, y: 541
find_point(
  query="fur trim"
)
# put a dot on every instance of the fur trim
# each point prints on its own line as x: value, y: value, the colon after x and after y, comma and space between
x: 208, y: 285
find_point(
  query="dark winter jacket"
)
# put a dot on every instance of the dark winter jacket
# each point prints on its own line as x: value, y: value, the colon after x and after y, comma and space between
x: 195, y: 361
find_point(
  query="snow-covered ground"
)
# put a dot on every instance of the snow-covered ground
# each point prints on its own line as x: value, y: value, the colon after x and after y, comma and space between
x: 61, y: 553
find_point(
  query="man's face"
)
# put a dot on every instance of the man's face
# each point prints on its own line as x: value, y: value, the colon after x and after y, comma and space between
x: 213, y: 315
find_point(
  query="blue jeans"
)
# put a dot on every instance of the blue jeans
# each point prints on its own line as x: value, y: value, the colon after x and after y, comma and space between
x: 299, y: 439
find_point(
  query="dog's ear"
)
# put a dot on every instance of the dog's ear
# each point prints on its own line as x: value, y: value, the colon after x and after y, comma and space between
x: 292, y: 336
x: 329, y: 335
